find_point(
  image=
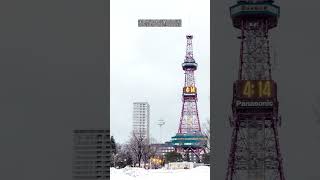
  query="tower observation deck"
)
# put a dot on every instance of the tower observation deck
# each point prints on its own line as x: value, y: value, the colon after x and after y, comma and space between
x: 189, y: 141
x: 255, y: 148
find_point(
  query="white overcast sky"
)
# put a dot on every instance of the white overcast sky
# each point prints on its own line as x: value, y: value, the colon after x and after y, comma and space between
x: 146, y: 62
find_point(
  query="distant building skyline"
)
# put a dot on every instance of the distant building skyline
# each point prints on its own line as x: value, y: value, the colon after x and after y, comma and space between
x: 91, y: 154
x: 141, y: 119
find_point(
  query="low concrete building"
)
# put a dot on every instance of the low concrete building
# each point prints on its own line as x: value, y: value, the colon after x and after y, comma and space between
x: 162, y: 149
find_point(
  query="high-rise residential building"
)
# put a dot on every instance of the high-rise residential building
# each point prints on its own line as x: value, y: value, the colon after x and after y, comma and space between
x: 91, y: 154
x: 141, y: 119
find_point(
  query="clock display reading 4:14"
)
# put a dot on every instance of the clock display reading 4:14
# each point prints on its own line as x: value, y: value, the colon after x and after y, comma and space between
x: 256, y: 88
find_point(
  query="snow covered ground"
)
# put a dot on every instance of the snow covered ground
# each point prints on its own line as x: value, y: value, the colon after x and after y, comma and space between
x: 201, y: 172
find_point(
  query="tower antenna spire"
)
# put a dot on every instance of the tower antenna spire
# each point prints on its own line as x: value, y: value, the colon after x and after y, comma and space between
x: 189, y: 49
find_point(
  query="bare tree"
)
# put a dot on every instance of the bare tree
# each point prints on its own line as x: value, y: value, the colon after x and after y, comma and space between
x: 116, y: 155
x: 123, y: 157
x: 138, y: 145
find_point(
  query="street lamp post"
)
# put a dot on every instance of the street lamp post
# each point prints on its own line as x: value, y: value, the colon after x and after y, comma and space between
x: 161, y: 122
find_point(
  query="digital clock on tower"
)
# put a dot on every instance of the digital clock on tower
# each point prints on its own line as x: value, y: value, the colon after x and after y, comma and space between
x: 255, y: 88
x: 190, y: 90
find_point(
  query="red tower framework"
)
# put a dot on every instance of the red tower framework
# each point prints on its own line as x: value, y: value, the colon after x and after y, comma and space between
x: 255, y: 152
x: 189, y: 140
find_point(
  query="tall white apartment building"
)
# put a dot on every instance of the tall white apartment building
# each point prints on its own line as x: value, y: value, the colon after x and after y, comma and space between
x: 141, y: 119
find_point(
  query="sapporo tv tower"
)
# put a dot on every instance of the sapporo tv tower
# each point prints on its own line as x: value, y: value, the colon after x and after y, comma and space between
x: 255, y: 152
x: 189, y: 141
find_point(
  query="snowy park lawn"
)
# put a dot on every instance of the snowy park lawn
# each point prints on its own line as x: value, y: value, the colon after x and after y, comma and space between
x: 129, y: 173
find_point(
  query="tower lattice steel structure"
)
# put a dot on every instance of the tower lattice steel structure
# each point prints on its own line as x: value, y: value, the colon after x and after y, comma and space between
x: 189, y: 140
x: 255, y: 152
